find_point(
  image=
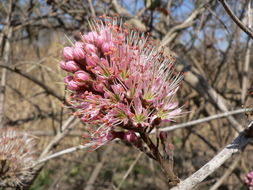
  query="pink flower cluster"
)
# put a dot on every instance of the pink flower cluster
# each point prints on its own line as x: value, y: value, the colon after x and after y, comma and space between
x: 119, y: 81
x: 249, y: 180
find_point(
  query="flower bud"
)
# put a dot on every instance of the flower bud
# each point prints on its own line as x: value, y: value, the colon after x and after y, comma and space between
x: 114, y: 134
x: 90, y: 37
x: 67, y: 79
x: 73, y: 85
x: 82, y: 76
x: 130, y: 136
x: 63, y: 65
x: 79, y: 44
x: 68, y: 53
x: 90, y: 48
x: 78, y: 53
x: 110, y: 136
x: 70, y: 66
x: 92, y: 60
x: 99, y: 40
x: 163, y: 135
x: 98, y: 86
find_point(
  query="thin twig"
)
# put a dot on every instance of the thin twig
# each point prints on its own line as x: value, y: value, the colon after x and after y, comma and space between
x: 235, y: 19
x: 129, y: 170
x: 67, y: 126
x: 93, y: 13
x: 98, y: 168
x: 6, y: 58
x: 66, y: 151
x: 202, y: 120
x: 201, y: 85
x: 245, y: 78
x: 75, y: 133
x: 35, y: 80
x: 171, y: 35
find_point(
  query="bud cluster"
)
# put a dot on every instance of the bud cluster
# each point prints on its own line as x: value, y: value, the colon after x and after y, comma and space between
x: 118, y: 79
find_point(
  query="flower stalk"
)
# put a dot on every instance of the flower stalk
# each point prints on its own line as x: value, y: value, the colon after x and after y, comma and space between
x: 167, y: 167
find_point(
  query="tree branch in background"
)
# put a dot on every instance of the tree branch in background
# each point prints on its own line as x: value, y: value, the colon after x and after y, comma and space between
x: 66, y: 128
x: 245, y: 79
x: 206, y: 119
x: 192, y: 76
x: 35, y: 80
x: 129, y: 170
x: 216, y: 77
x: 236, y: 146
x: 6, y: 36
x: 97, y: 169
x: 235, y: 19
x: 227, y: 173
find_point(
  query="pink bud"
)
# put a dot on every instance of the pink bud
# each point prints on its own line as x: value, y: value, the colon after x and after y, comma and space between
x: 99, y: 40
x: 110, y: 136
x: 68, y: 53
x: 70, y: 66
x: 78, y: 53
x: 79, y: 44
x: 98, y: 86
x: 72, y: 85
x: 90, y: 48
x: 130, y: 136
x: 90, y: 37
x: 92, y: 60
x: 114, y: 134
x: 171, y: 147
x: 163, y: 135
x: 81, y: 76
x: 67, y: 79
x: 63, y: 65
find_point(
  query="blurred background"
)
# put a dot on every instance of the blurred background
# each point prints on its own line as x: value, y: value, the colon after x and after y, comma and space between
x: 214, y: 53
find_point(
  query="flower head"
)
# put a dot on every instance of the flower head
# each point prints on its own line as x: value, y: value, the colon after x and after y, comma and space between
x: 120, y: 80
x: 17, y: 156
x: 249, y: 180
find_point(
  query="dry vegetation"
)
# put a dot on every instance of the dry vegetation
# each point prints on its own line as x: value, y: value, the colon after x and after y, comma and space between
x: 210, y: 48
